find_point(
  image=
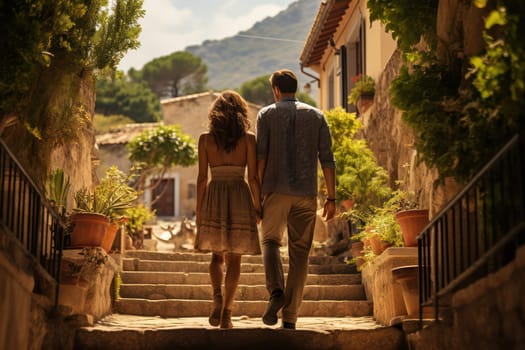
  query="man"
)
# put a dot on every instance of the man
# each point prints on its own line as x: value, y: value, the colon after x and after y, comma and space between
x: 291, y: 137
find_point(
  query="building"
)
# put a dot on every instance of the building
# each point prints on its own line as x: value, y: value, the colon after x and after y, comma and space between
x: 342, y: 44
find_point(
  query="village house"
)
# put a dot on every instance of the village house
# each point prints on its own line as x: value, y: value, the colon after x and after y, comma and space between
x: 343, y: 44
x: 191, y: 114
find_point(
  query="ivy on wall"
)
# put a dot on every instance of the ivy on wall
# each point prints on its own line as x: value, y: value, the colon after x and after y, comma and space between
x: 459, y: 120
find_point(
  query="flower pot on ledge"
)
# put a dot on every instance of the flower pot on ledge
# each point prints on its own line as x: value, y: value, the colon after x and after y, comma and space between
x: 109, y: 237
x: 412, y: 222
x: 89, y: 230
x: 364, y: 102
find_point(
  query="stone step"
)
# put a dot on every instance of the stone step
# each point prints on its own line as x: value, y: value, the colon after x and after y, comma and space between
x: 244, y: 292
x: 201, y: 308
x: 139, y: 333
x: 135, y: 264
x: 193, y: 256
x: 153, y: 277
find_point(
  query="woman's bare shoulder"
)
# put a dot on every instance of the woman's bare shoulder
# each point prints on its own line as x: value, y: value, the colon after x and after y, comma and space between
x: 250, y: 135
x: 203, y: 137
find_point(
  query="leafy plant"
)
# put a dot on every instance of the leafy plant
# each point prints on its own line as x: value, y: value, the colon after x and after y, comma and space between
x: 51, y: 50
x: 155, y: 150
x: 111, y: 197
x: 364, y: 86
x: 358, y: 175
x: 137, y: 217
x: 408, y: 21
x: 386, y: 226
x: 57, y: 189
x: 459, y: 120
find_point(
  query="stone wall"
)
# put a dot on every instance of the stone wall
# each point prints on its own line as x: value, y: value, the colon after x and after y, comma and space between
x: 16, y: 286
x: 392, y: 142
x: 459, y: 28
x: 485, y: 315
x: 29, y: 318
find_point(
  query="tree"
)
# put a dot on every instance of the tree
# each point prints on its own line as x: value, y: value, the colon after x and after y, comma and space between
x: 259, y: 91
x: 133, y: 99
x: 155, y: 151
x: 50, y: 50
x: 177, y: 74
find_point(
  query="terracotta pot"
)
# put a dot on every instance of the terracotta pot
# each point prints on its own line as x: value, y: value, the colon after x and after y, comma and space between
x: 364, y: 102
x: 378, y: 246
x: 348, y: 204
x: 407, y: 276
x: 89, y: 230
x: 412, y: 222
x: 111, y: 232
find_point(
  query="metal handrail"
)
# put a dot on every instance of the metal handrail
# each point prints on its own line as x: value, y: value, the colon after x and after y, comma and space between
x: 478, y: 232
x: 26, y: 212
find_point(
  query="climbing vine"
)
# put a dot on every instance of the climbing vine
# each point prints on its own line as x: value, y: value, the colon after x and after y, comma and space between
x: 460, y: 119
x: 407, y: 20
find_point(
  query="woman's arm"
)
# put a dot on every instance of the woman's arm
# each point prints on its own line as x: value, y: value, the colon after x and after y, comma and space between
x: 202, y: 177
x: 253, y: 178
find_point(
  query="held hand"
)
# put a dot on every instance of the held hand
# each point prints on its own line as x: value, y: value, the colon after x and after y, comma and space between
x: 258, y: 216
x: 328, y: 210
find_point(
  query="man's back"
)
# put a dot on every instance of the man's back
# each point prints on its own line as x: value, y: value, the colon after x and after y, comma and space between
x: 292, y: 136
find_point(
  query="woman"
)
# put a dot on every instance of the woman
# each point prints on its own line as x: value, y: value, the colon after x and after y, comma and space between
x: 227, y: 211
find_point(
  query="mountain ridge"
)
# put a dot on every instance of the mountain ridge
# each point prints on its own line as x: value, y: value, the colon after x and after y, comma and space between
x: 270, y: 44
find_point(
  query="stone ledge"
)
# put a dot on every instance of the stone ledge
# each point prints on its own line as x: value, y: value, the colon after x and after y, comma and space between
x: 380, y: 286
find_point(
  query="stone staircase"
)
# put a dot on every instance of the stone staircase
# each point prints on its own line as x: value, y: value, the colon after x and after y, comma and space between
x: 165, y: 299
x: 178, y: 285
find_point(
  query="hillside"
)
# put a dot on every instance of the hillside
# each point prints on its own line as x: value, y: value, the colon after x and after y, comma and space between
x: 234, y: 60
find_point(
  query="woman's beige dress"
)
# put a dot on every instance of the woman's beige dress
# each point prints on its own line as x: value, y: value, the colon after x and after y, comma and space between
x: 227, y: 218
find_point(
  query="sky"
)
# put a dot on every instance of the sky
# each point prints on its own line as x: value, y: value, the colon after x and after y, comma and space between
x: 172, y: 25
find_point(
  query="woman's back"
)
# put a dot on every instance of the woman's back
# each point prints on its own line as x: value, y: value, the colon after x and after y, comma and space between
x: 217, y: 156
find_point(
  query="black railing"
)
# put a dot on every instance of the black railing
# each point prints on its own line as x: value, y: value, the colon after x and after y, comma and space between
x: 28, y: 215
x: 478, y: 232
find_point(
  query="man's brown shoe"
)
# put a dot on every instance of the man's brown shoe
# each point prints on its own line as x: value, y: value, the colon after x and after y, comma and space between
x: 270, y: 315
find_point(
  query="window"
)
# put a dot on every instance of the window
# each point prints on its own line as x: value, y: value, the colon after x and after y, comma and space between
x: 353, y: 60
x: 192, y: 191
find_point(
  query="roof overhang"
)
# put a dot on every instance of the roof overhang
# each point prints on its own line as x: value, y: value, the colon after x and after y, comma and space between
x: 323, y: 29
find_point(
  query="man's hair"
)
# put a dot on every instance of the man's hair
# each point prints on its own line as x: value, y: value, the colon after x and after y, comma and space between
x: 285, y: 80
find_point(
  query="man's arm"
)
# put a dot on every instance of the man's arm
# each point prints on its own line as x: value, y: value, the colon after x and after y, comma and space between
x: 329, y: 205
x: 261, y: 165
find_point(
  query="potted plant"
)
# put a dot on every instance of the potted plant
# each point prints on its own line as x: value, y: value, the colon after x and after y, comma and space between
x: 136, y: 218
x: 363, y: 90
x: 409, y: 216
x: 96, y: 211
x: 386, y: 231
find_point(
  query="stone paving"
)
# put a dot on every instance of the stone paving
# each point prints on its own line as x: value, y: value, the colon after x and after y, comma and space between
x: 320, y: 324
x: 193, y: 333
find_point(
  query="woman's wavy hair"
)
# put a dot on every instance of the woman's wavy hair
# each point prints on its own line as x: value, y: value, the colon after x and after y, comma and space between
x: 228, y: 118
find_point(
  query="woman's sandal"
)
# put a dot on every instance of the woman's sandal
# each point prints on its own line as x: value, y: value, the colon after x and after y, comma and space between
x: 226, y: 319
x: 215, y: 316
